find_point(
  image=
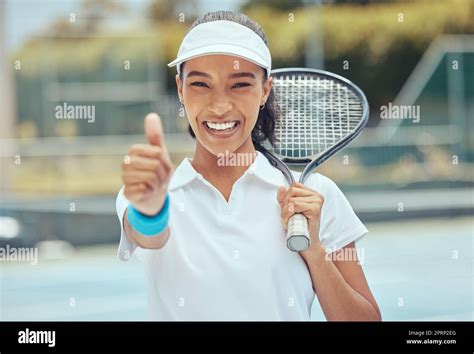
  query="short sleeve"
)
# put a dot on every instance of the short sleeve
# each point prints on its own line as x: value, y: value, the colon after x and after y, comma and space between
x: 339, y: 223
x: 126, y: 247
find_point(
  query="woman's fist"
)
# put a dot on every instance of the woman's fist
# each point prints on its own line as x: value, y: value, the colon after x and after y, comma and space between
x: 147, y: 169
x: 302, y: 199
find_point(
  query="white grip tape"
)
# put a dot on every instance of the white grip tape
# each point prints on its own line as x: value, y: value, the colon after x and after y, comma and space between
x: 297, y: 237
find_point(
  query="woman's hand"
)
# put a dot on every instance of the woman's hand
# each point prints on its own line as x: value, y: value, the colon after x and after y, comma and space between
x: 147, y: 169
x: 301, y: 199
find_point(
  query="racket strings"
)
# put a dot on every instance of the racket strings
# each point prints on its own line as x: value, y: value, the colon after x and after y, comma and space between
x: 315, y: 113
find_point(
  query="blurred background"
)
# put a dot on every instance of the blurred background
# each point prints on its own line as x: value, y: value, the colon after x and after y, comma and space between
x: 409, y: 180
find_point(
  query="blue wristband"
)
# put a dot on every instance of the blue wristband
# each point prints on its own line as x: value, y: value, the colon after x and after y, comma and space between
x: 149, y: 225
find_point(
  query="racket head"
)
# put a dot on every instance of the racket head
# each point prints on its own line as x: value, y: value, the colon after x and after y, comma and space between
x: 317, y: 114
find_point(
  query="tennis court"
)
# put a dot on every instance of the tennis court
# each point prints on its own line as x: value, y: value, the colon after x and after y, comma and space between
x: 417, y: 270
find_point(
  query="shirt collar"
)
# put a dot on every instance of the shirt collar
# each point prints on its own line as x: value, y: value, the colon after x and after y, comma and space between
x: 260, y: 168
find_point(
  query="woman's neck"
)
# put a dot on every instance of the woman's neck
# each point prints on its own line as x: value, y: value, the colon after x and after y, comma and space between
x: 223, y: 171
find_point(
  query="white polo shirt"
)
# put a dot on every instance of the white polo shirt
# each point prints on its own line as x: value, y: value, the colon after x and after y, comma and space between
x: 229, y: 261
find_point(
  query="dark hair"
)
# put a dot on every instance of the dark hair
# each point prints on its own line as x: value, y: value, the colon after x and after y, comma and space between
x: 265, y: 127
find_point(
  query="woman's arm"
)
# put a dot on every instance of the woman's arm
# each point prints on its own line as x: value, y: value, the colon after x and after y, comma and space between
x: 154, y: 242
x: 341, y: 287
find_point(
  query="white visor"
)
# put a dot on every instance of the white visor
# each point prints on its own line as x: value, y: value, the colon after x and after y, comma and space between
x: 224, y: 37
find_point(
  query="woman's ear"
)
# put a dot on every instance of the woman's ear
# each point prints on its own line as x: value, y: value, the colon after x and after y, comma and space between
x: 267, y: 87
x: 179, y: 85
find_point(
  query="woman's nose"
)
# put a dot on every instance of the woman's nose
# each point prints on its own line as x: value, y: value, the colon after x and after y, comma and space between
x: 220, y: 104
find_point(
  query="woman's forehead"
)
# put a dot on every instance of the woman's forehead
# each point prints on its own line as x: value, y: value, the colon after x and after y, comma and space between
x: 220, y: 63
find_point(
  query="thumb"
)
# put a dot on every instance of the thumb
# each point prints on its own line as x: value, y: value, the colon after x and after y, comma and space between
x: 281, y: 194
x: 153, y: 129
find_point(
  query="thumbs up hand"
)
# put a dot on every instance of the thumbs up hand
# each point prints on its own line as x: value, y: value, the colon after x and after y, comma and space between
x: 147, y: 169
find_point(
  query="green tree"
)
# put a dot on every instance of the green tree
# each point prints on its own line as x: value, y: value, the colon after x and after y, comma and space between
x: 91, y: 13
x: 165, y: 10
x: 95, y: 11
x: 282, y: 5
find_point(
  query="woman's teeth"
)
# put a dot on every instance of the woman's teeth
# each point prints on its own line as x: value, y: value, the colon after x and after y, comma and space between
x: 221, y: 126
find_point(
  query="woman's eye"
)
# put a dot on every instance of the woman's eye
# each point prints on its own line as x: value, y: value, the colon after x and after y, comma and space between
x: 241, y: 84
x: 199, y: 84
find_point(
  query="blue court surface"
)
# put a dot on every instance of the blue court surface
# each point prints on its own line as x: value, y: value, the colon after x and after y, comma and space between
x: 417, y: 270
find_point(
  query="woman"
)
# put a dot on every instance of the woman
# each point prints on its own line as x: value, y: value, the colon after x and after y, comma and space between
x: 212, y: 233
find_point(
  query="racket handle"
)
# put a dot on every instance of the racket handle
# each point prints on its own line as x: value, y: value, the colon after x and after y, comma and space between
x: 297, y: 238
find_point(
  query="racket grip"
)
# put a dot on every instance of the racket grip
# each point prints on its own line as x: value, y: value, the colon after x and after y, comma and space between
x: 297, y: 238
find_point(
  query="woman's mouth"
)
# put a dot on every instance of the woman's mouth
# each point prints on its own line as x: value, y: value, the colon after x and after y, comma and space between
x: 221, y: 129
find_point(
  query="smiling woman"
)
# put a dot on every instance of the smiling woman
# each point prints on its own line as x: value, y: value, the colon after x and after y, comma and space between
x: 212, y: 232
x: 221, y: 103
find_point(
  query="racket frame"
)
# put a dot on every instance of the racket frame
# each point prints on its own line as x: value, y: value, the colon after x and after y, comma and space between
x: 312, y: 164
x: 280, y: 162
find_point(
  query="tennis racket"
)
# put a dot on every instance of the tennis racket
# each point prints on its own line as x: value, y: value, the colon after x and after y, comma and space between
x: 318, y: 114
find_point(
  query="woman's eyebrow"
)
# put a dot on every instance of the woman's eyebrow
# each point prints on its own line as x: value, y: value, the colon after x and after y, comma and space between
x: 243, y: 74
x: 235, y: 75
x: 198, y: 73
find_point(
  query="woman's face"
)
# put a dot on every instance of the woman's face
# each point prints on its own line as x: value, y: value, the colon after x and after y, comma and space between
x: 222, y: 95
